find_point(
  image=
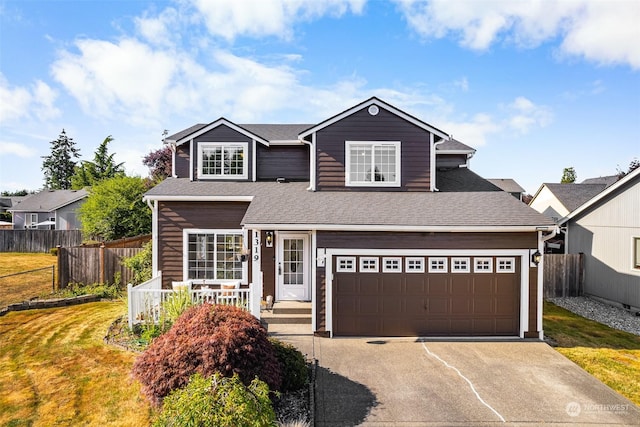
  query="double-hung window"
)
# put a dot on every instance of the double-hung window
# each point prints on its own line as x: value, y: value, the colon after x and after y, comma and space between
x: 372, y: 163
x: 226, y: 160
x: 213, y: 255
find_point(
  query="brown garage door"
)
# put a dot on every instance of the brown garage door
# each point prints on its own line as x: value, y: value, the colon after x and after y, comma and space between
x: 426, y: 296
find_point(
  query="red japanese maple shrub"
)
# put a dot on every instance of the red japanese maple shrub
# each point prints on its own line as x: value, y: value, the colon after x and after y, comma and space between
x: 207, y: 339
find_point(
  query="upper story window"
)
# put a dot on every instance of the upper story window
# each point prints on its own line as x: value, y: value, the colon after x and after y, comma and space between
x: 222, y: 160
x: 372, y: 163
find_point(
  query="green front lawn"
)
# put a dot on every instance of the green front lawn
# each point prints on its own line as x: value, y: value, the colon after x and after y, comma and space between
x: 610, y: 355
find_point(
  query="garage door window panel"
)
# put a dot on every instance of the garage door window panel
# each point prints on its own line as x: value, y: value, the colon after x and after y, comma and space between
x: 505, y: 265
x: 414, y: 264
x: 460, y: 265
x: 483, y: 265
x: 392, y: 265
x: 346, y: 264
x: 369, y: 265
x: 438, y: 265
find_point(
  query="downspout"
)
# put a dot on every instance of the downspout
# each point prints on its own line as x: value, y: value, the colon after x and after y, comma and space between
x: 312, y: 162
x: 433, y: 165
x: 541, y: 243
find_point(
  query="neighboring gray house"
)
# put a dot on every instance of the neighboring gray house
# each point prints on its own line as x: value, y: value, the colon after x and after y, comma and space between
x: 607, y: 230
x: 49, y: 210
x: 508, y: 185
x: 558, y: 200
x: 607, y: 180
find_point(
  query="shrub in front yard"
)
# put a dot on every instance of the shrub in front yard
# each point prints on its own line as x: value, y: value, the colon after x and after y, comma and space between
x: 207, y: 339
x: 295, y: 373
x: 218, y: 402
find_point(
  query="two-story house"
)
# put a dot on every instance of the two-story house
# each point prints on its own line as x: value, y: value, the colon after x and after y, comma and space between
x: 49, y: 210
x: 372, y: 215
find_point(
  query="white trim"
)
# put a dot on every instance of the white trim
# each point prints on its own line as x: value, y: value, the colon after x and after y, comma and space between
x: 312, y: 161
x: 540, y: 287
x: 629, y: 177
x: 523, y: 254
x: 200, y: 199
x: 314, y: 284
x: 215, y: 231
x: 191, y: 160
x: 432, y: 157
x: 202, y: 145
x: 254, y: 160
x: 346, y: 259
x: 372, y: 145
x: 483, y: 260
x: 396, y: 260
x: 633, y: 268
x: 381, y: 104
x: 154, y: 238
x: 215, y: 124
x: 287, y: 142
x: 409, y: 260
x: 400, y: 228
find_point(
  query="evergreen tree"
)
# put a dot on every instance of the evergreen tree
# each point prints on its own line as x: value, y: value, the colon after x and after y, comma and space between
x: 103, y: 167
x: 569, y: 176
x: 59, y: 166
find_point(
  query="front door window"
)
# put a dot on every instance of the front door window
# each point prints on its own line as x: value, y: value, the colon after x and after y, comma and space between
x: 293, y: 267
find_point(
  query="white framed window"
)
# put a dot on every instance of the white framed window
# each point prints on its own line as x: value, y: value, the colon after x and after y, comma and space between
x: 213, y: 255
x: 438, y: 265
x: 226, y: 160
x: 392, y: 265
x: 372, y: 163
x: 636, y: 253
x: 345, y: 264
x: 483, y: 265
x: 505, y: 265
x: 369, y: 265
x: 414, y: 264
x: 460, y: 265
x: 32, y: 220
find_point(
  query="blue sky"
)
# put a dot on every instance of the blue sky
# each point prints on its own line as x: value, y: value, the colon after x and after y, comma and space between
x: 534, y: 86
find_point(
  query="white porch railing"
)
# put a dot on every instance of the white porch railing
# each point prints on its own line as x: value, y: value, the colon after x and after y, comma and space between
x: 146, y: 300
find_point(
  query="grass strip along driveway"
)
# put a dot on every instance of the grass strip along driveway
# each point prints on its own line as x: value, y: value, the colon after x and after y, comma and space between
x: 610, y: 355
x: 56, y: 370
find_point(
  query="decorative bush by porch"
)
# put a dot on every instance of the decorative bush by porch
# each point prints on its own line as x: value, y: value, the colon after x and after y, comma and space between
x: 218, y: 402
x: 207, y: 339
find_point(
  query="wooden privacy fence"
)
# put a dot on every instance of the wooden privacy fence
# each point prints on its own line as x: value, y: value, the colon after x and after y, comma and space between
x: 563, y: 275
x: 93, y: 265
x: 37, y: 240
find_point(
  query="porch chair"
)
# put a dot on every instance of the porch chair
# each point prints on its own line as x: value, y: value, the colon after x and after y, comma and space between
x: 230, y: 297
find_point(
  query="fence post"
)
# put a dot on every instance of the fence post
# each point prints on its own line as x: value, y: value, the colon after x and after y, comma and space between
x: 101, y: 254
x: 130, y: 305
x: 59, y: 257
x: 53, y: 278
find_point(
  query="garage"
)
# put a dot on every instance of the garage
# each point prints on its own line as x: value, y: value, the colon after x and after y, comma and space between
x: 426, y: 295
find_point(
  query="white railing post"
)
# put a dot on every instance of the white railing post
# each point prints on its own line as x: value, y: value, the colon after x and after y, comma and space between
x: 130, y: 304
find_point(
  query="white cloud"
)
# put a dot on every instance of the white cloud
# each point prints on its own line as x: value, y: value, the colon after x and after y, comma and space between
x: 18, y: 103
x: 16, y: 149
x: 233, y: 18
x: 600, y: 31
x: 524, y: 115
x: 474, y: 132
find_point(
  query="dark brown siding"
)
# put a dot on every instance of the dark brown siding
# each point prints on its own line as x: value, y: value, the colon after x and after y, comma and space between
x: 361, y: 126
x: 385, y: 240
x: 223, y: 134
x: 182, y: 160
x: 173, y: 217
x: 289, y: 161
x: 450, y: 160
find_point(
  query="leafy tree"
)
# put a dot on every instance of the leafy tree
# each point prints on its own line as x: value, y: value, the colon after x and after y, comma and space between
x: 114, y: 209
x: 17, y: 193
x: 103, y: 167
x: 159, y: 163
x: 59, y: 166
x: 633, y: 165
x: 569, y: 176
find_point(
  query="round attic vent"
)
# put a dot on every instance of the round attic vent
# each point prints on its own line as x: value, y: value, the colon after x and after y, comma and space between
x: 373, y: 110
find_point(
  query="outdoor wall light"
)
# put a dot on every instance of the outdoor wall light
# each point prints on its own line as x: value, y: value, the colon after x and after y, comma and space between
x: 536, y: 257
x: 269, y: 239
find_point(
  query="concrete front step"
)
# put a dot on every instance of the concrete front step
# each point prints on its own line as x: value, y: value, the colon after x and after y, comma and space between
x: 292, y: 307
x: 288, y: 312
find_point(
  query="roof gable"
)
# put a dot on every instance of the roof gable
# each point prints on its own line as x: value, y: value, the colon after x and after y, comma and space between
x: 380, y: 104
x: 631, y: 177
x: 573, y: 195
x: 196, y: 131
x: 49, y: 200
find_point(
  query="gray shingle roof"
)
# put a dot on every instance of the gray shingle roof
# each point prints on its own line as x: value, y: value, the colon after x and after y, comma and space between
x: 607, y: 180
x: 49, y: 200
x: 292, y: 203
x: 462, y: 179
x: 574, y: 195
x: 453, y: 145
x: 277, y: 132
x: 506, y: 184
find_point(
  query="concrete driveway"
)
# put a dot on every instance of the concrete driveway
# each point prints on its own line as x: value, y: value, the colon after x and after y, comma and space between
x: 404, y: 382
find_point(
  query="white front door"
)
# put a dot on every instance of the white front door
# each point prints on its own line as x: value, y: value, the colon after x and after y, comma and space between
x: 292, y: 267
